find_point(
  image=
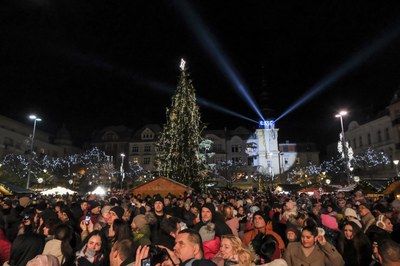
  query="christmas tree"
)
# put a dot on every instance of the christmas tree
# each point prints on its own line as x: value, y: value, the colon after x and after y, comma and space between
x: 178, y: 154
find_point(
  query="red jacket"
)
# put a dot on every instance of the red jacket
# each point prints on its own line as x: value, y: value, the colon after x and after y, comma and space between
x: 211, y: 247
x: 5, y: 248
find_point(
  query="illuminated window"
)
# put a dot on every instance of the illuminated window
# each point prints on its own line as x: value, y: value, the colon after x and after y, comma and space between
x: 135, y: 160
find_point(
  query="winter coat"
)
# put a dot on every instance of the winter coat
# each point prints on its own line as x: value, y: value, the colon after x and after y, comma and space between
x: 320, y: 256
x: 5, y: 248
x: 377, y: 234
x: 211, y: 247
x: 233, y: 225
x: 53, y: 247
x: 250, y: 235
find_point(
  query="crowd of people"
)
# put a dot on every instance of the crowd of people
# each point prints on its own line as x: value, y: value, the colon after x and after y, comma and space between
x: 220, y: 228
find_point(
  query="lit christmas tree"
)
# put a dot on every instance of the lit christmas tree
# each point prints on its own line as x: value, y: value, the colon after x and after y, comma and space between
x: 178, y: 153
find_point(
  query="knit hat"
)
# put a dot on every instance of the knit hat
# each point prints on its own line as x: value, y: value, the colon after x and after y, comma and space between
x: 207, y: 232
x: 158, y: 198
x: 209, y: 206
x: 93, y: 204
x: 259, y: 213
x: 329, y: 221
x: 140, y: 220
x: 350, y: 212
x: 294, y: 230
x: 119, y: 211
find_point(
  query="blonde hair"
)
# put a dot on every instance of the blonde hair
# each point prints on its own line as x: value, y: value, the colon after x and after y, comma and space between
x: 245, y: 255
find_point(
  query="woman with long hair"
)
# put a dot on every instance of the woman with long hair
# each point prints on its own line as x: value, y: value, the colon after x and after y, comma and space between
x: 233, y: 252
x: 354, y: 245
x: 119, y: 230
x: 93, y: 250
x: 312, y: 249
x: 230, y: 219
x: 60, y: 246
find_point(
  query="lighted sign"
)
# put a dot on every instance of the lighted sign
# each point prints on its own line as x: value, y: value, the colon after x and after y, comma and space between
x: 267, y: 123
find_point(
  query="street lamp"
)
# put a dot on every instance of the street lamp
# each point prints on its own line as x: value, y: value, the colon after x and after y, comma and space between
x: 344, y: 147
x: 35, y: 119
x: 122, y: 169
x: 396, y: 163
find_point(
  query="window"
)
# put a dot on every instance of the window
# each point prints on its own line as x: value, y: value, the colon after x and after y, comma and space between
x: 147, y: 148
x: 379, y: 136
x: 387, y: 134
x: 135, y: 148
x: 110, y: 136
x: 360, y: 140
x: 146, y: 160
x: 147, y: 134
x: 135, y: 160
x: 369, y: 139
x: 236, y: 148
x: 354, y: 143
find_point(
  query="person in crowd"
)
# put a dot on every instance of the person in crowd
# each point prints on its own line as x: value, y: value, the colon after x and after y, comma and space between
x: 230, y: 219
x: 10, y: 219
x: 79, y: 209
x: 5, y: 247
x: 93, y: 211
x: 24, y: 248
x: 268, y: 252
x: 261, y: 226
x: 212, y: 227
x: 66, y: 217
x: 187, y: 251
x: 43, y: 260
x: 28, y: 225
x: 233, y: 251
x: 313, y: 249
x: 188, y: 216
x: 354, y: 245
x: 367, y: 218
x: 243, y: 218
x: 292, y: 235
x: 122, y: 253
x: 141, y: 231
x: 389, y: 252
x: 350, y: 215
x: 170, y: 228
x: 116, y: 212
x: 159, y: 215
x: 60, y: 246
x: 103, y: 218
x: 381, y: 230
x: 119, y: 230
x: 93, y: 250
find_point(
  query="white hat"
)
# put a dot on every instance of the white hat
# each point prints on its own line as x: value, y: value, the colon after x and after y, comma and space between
x: 350, y: 212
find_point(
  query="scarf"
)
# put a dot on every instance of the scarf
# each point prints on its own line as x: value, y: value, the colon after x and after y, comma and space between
x: 89, y: 254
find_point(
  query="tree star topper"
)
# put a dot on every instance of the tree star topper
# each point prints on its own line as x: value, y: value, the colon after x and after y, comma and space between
x: 182, y: 66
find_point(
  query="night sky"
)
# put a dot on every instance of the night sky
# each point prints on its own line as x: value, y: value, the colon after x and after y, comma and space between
x: 91, y: 64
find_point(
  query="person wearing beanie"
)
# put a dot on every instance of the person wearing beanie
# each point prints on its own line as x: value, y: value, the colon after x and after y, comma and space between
x: 262, y: 226
x: 350, y: 215
x: 292, y: 234
x: 158, y: 212
x: 209, y: 215
x: 116, y: 212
